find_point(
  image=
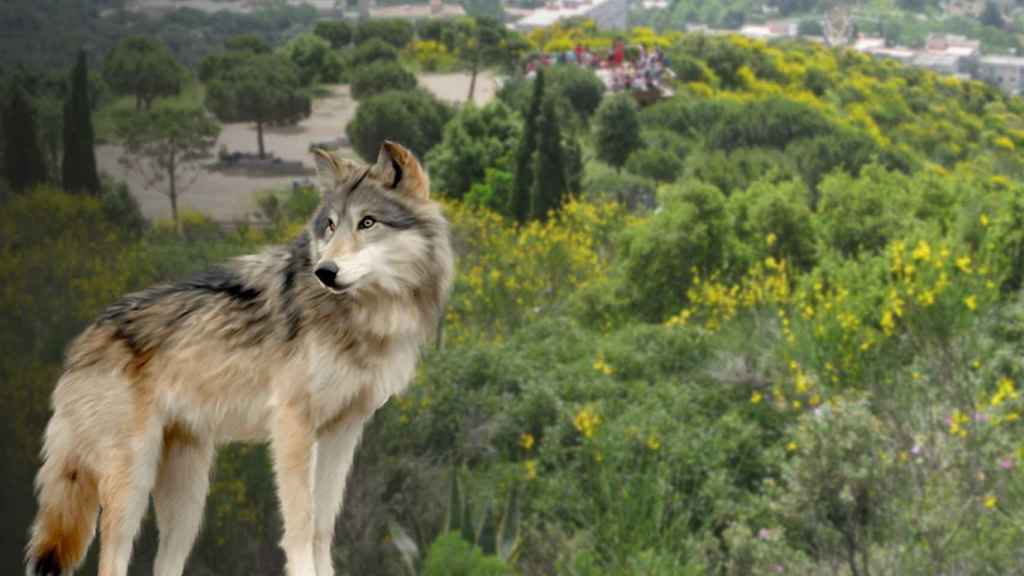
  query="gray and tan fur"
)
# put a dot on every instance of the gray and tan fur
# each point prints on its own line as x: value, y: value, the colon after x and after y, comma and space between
x: 298, y: 344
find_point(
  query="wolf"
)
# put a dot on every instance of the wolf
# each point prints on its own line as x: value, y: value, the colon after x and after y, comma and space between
x: 298, y: 345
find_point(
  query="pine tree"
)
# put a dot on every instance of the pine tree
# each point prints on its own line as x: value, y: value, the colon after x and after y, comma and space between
x: 552, y: 183
x: 23, y: 159
x: 79, y: 166
x: 524, y: 176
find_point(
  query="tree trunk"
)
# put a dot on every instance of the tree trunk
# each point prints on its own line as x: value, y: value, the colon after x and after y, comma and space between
x: 472, y: 76
x: 173, y: 193
x: 138, y: 102
x: 259, y: 137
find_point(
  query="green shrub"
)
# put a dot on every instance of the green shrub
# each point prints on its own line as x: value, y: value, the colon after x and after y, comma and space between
x: 372, y: 51
x: 450, y: 555
x: 383, y: 77
x: 656, y: 163
x: 414, y: 118
x: 690, y: 232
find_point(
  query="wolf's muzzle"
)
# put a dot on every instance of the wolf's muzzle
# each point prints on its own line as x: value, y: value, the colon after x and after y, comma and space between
x: 327, y: 273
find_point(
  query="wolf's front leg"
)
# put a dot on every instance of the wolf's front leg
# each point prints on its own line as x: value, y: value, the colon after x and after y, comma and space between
x: 335, y: 449
x: 292, y: 442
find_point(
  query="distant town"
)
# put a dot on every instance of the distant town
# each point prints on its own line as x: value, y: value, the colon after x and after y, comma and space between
x: 950, y: 54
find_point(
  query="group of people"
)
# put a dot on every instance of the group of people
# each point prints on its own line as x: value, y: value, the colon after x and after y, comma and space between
x: 640, y: 69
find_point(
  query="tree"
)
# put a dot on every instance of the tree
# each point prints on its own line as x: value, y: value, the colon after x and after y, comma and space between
x: 78, y: 168
x: 262, y: 88
x: 523, y: 177
x: 618, y: 130
x: 656, y: 163
x: 579, y: 87
x: 23, y: 158
x: 381, y: 77
x: 373, y: 50
x: 552, y: 180
x: 476, y: 141
x: 246, y: 43
x: 164, y: 147
x: 480, y: 42
x: 336, y: 32
x: 314, y: 59
x: 143, y: 67
x: 237, y: 50
x: 992, y: 15
x: 394, y: 31
x: 413, y: 117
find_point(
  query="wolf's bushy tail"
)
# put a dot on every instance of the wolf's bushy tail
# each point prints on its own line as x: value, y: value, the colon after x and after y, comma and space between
x: 68, y: 503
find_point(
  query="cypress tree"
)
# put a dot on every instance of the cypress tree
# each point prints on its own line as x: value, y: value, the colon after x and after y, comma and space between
x: 552, y: 182
x: 523, y: 177
x: 23, y: 159
x: 79, y: 168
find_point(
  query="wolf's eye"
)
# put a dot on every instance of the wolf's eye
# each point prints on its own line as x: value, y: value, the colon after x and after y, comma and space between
x: 367, y: 222
x: 330, y: 227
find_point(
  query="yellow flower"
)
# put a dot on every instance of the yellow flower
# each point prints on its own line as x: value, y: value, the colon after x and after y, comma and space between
x: 964, y: 264
x: 887, y: 322
x: 756, y: 398
x: 653, y: 443
x: 1012, y: 417
x: 770, y: 239
x: 1005, y: 390
x: 983, y: 219
x: 922, y: 252
x: 802, y: 383
x: 797, y: 405
x: 971, y: 302
x: 991, y: 501
x: 956, y: 423
x: 791, y: 447
x: 531, y: 469
x: 586, y: 421
x: 601, y: 366
x: 526, y: 440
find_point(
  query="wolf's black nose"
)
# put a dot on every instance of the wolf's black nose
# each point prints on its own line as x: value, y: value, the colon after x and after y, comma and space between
x: 327, y: 273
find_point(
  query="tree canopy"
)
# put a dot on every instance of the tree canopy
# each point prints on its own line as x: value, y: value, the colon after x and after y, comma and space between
x: 144, y: 68
x: 414, y: 117
x: 261, y: 88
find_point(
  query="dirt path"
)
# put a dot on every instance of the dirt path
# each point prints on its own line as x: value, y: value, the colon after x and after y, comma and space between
x: 233, y: 197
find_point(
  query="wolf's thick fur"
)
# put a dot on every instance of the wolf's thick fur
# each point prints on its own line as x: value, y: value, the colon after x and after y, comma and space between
x: 299, y: 344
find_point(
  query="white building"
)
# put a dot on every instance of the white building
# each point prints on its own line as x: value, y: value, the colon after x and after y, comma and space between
x: 1006, y: 72
x: 607, y: 14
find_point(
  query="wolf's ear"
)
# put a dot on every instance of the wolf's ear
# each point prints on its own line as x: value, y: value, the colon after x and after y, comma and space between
x: 397, y: 168
x: 332, y: 170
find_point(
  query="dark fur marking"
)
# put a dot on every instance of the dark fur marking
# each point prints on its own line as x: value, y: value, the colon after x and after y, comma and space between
x: 360, y: 179
x: 48, y: 564
x: 219, y: 280
x: 298, y: 262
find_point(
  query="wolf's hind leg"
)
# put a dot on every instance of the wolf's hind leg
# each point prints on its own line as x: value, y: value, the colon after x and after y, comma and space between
x: 334, y: 453
x: 178, y: 497
x: 124, y: 496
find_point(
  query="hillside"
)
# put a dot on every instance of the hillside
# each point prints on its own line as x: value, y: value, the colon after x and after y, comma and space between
x: 770, y: 324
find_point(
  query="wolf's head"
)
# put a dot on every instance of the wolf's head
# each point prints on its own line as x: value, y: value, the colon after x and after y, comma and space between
x: 376, y: 231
